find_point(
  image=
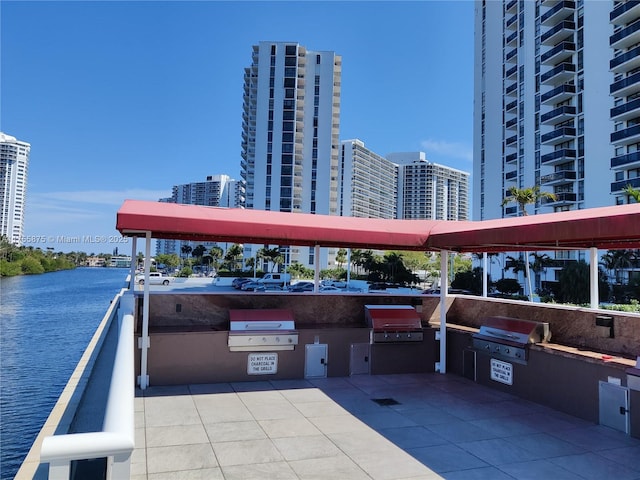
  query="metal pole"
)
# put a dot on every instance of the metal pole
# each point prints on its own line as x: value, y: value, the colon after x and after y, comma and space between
x: 144, y: 340
x: 593, y: 277
x: 441, y: 366
x: 133, y: 264
x: 485, y: 277
x: 316, y: 261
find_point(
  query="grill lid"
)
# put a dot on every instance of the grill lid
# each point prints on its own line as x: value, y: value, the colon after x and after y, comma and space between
x: 252, y: 320
x: 392, y: 318
x: 514, y: 331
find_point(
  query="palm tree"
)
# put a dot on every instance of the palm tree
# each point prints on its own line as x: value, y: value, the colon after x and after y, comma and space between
x: 233, y: 255
x: 341, y: 257
x: 186, y: 250
x: 539, y: 265
x: 524, y: 197
x: 632, y: 192
x: 271, y: 255
x: 216, y: 254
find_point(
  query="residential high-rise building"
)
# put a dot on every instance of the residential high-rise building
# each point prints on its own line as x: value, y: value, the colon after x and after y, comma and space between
x: 625, y: 90
x: 399, y: 185
x: 215, y: 191
x: 557, y: 94
x: 428, y: 190
x: 556, y: 89
x: 290, y: 138
x: 368, y: 182
x: 14, y: 163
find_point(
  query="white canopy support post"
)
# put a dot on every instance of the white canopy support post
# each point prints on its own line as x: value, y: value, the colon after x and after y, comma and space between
x: 593, y: 280
x: 316, y: 274
x: 527, y: 272
x: 348, y: 266
x: 485, y: 276
x: 441, y: 366
x: 134, y: 264
x: 144, y: 340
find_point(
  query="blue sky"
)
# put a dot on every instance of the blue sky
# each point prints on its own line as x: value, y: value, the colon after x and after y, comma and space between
x: 126, y: 99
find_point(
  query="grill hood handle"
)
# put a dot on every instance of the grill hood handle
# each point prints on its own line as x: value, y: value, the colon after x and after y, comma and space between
x: 261, y: 326
x: 509, y: 336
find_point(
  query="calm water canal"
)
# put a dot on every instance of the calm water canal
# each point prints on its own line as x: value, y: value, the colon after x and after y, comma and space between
x: 46, y: 322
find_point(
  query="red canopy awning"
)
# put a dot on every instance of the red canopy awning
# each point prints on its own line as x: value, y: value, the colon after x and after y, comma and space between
x: 604, y: 228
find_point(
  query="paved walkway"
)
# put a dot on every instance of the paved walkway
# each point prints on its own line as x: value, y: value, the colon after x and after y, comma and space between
x: 418, y: 427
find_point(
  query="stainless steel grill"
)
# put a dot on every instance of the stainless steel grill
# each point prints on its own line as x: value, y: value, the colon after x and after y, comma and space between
x: 260, y: 330
x: 509, y: 338
x: 393, y: 323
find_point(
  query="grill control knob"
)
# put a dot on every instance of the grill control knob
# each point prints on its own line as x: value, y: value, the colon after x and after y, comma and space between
x: 506, y: 350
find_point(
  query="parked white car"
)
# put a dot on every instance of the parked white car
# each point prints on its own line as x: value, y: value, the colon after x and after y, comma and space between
x: 155, y: 278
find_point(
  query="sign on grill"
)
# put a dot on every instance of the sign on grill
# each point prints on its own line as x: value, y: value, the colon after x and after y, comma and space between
x: 501, y: 372
x: 262, y: 363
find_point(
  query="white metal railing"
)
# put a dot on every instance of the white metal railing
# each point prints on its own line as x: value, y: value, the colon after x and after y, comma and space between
x: 116, y: 440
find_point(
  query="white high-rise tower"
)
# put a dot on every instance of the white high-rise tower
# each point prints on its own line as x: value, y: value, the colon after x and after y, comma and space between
x: 290, y: 138
x: 14, y: 163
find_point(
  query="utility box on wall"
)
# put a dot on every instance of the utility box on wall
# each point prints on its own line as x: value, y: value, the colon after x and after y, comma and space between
x: 359, y: 359
x: 315, y: 360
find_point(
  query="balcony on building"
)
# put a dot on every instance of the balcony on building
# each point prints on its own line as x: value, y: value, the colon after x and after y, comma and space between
x: 512, y: 175
x: 560, y: 73
x: 511, y: 72
x: 560, y: 11
x: 512, y: 56
x: 511, y: 140
x: 626, y: 162
x: 561, y: 52
x: 626, y: 136
x: 511, y: 124
x: 512, y: 22
x: 559, y: 135
x: 511, y: 211
x: 512, y: 39
x: 626, y: 37
x: 625, y: 12
x: 629, y: 182
x: 627, y: 86
x: 511, y: 6
x: 562, y: 31
x: 562, y: 198
x: 626, y: 61
x: 556, y: 157
x: 558, y: 94
x: 626, y: 111
x: 558, y: 115
x: 512, y: 90
x: 511, y: 106
x: 558, y: 178
x: 512, y: 157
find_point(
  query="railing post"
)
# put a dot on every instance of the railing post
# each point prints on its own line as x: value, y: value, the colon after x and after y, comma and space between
x: 59, y: 469
x: 119, y: 466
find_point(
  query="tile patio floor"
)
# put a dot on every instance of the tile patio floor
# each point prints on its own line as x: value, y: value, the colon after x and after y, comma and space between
x: 442, y: 426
